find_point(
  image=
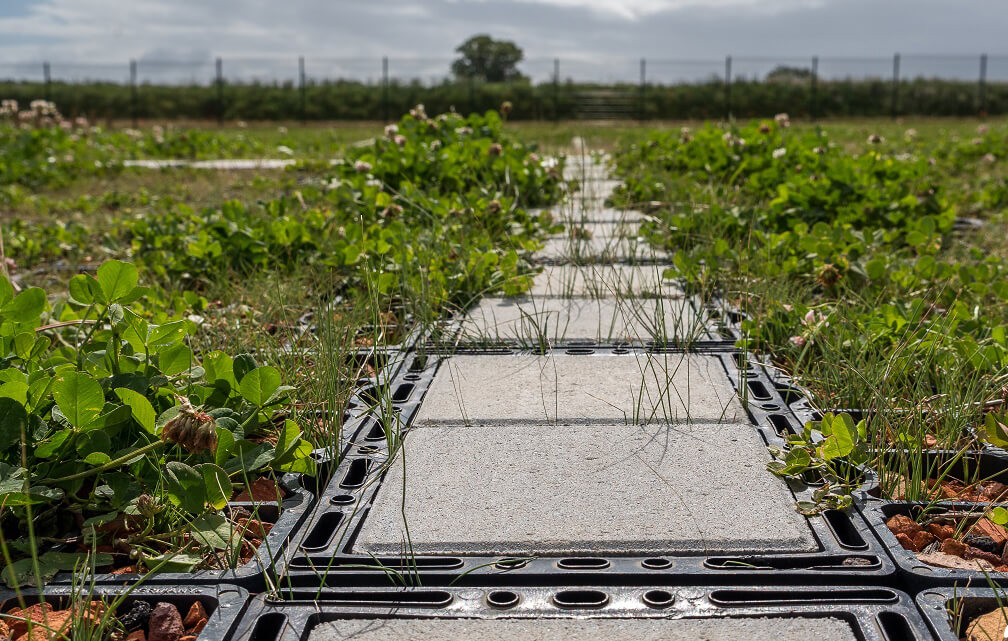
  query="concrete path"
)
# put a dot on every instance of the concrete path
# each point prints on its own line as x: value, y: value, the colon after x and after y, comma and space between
x: 564, y: 453
x: 614, y: 452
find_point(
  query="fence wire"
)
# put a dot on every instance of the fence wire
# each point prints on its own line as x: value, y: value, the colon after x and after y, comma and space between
x: 324, y: 87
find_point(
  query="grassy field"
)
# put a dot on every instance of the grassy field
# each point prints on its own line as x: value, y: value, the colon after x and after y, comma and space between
x: 849, y: 252
x: 846, y: 244
x: 328, y: 137
x: 131, y: 290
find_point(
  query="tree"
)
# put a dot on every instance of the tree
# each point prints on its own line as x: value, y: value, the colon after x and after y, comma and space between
x: 793, y: 75
x: 488, y: 59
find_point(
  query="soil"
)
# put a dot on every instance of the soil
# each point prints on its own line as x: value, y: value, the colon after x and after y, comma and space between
x: 988, y: 626
x: 259, y: 491
x: 956, y: 490
x: 251, y: 530
x: 138, y: 622
x: 362, y: 366
x: 958, y: 542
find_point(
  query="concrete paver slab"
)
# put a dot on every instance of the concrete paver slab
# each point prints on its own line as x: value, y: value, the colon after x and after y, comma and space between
x: 579, y: 213
x: 598, y: 249
x: 571, y: 629
x: 606, y: 229
x: 596, y: 186
x: 567, y: 388
x: 531, y: 320
x: 526, y: 489
x: 604, y: 281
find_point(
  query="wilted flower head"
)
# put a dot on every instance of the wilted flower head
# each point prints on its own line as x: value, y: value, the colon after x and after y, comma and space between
x: 435, y: 145
x: 780, y: 152
x: 829, y: 276
x: 506, y: 107
x: 392, y: 211
x: 493, y: 207
x: 982, y: 129
x: 399, y: 139
x: 43, y: 107
x: 8, y: 108
x: 798, y: 341
x: 194, y: 430
x: 685, y: 135
x: 146, y: 505
x: 875, y: 139
x: 463, y: 131
x: 495, y: 149
x: 764, y: 128
x: 418, y: 112
x: 391, y: 130
x: 989, y: 157
x: 733, y: 140
x: 362, y: 167
x: 782, y: 119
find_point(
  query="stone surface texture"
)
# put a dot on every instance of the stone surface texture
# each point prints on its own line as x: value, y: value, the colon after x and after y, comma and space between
x: 604, y: 281
x: 580, y: 629
x: 596, y: 388
x: 531, y: 489
x: 532, y: 320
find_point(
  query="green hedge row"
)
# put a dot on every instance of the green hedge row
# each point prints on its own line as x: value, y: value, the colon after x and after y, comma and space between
x: 357, y: 101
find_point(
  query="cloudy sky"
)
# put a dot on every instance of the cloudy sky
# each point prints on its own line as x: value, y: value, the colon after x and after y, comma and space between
x: 592, y: 37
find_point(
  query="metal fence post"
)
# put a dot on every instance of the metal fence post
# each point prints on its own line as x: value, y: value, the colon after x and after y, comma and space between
x: 814, y: 88
x: 220, y: 91
x: 556, y: 89
x: 302, y: 87
x: 982, y: 89
x: 133, y: 93
x: 895, y: 84
x: 385, y: 89
x: 46, y: 79
x: 727, y: 86
x: 643, y: 88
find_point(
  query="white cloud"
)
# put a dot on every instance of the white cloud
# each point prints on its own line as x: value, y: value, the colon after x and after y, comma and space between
x: 348, y: 38
x: 637, y: 9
